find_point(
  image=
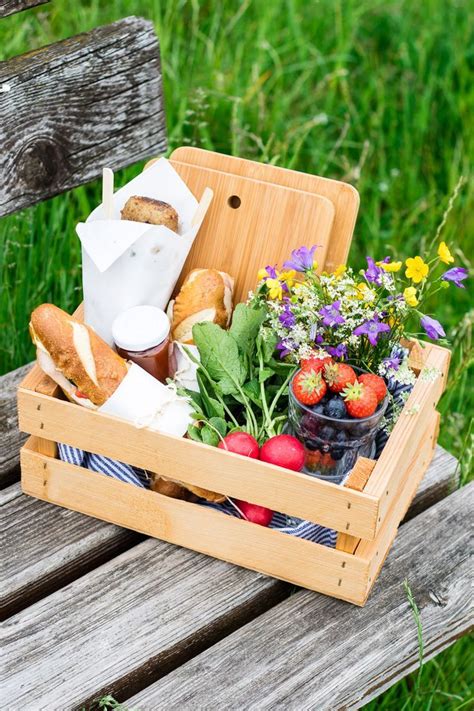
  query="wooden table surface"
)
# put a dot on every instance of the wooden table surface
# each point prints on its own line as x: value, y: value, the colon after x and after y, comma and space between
x: 91, y: 609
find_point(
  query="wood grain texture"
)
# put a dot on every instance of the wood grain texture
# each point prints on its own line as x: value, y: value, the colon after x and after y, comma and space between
x: 74, y: 106
x: 343, y: 196
x: 48, y: 547
x: 312, y: 652
x: 11, y: 438
x: 270, y: 221
x: 251, y: 480
x: 376, y: 551
x: 197, y: 527
x: 75, y: 543
x: 9, y: 7
x: 176, y: 603
x: 125, y: 623
x: 404, y: 440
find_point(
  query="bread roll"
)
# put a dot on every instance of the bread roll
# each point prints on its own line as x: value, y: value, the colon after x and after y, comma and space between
x: 154, y: 212
x: 206, y: 295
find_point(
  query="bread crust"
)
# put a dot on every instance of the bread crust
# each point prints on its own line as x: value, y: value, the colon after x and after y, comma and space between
x: 201, y: 298
x: 146, y: 209
x: 54, y: 329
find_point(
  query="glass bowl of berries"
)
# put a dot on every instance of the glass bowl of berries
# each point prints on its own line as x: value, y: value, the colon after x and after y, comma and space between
x: 335, y: 410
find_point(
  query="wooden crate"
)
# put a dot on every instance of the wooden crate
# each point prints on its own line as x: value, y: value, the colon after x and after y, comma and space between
x: 366, y: 513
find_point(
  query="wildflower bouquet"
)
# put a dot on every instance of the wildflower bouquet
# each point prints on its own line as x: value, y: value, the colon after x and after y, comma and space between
x: 360, y: 316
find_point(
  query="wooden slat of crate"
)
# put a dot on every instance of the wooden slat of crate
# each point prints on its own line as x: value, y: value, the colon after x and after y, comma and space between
x: 343, y: 196
x: 205, y: 530
x: 404, y: 440
x: 283, y: 659
x: 77, y: 105
x: 251, y: 480
x: 9, y: 7
x: 77, y: 543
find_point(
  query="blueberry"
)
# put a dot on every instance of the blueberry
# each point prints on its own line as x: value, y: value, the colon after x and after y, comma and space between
x: 337, y: 454
x: 311, y: 444
x: 318, y: 408
x: 341, y: 436
x: 335, y: 408
x: 327, y: 432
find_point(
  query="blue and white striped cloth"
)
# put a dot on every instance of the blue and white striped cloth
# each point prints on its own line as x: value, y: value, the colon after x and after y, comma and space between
x: 138, y: 477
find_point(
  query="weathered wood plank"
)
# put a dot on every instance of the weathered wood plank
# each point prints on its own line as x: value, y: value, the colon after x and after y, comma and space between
x: 11, y: 439
x: 76, y: 106
x: 170, y: 626
x: 48, y: 547
x: 124, y: 623
x: 315, y: 652
x: 9, y: 7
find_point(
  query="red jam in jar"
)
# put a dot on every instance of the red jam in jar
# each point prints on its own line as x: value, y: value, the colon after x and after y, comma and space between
x: 141, y: 335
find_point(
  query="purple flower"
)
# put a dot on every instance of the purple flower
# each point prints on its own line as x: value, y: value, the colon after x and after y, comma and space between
x: 285, y: 348
x: 271, y: 272
x: 393, y: 362
x: 372, y: 329
x: 318, y: 339
x: 287, y: 317
x: 373, y: 273
x: 432, y: 327
x: 456, y: 275
x: 302, y: 259
x: 331, y: 314
x: 339, y: 351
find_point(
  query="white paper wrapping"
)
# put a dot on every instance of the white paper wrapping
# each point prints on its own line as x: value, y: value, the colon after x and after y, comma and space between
x: 126, y: 263
x: 145, y: 402
x: 183, y: 369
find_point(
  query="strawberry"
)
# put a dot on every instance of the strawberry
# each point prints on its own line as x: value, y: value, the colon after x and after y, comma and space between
x: 360, y: 399
x: 338, y: 376
x: 376, y: 383
x: 315, y: 362
x: 309, y: 387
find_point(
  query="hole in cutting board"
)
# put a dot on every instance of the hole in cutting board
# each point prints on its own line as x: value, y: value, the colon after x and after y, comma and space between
x: 234, y: 201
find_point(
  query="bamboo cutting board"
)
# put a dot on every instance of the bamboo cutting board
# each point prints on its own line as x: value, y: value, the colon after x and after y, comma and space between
x: 343, y: 196
x: 251, y: 223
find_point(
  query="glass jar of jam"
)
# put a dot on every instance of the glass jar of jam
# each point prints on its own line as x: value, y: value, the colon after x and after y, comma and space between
x: 141, y: 335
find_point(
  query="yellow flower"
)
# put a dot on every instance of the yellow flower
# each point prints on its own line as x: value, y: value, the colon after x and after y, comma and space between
x: 275, y: 290
x: 416, y: 270
x: 339, y: 271
x: 288, y: 277
x: 444, y: 254
x: 391, y: 266
x: 410, y: 296
x: 363, y: 292
x: 261, y: 274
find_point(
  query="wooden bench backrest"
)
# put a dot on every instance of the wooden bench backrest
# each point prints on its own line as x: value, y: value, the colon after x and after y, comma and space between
x: 75, y: 106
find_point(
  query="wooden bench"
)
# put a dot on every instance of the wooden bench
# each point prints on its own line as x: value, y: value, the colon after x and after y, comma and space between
x: 159, y: 626
x: 92, y: 609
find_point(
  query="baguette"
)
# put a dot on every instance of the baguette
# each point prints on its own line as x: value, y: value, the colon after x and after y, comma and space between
x: 75, y: 357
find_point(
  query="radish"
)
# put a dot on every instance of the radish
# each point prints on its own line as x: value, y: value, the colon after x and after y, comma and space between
x: 284, y: 451
x: 254, y: 513
x: 240, y: 443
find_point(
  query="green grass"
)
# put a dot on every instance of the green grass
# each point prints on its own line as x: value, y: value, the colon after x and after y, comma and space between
x: 376, y: 92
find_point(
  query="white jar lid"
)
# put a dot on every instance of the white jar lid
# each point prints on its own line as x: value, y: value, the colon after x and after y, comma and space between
x: 140, y: 328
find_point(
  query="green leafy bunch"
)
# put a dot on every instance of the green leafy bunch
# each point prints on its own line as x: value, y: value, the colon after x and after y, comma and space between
x: 241, y: 384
